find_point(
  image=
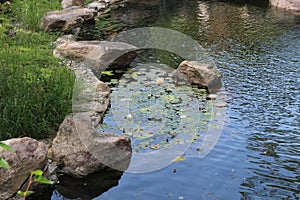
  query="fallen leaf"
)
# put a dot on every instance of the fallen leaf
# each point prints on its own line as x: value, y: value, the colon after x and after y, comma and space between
x: 179, y: 159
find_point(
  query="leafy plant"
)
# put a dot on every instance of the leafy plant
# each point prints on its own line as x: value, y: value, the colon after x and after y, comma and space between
x: 35, y: 176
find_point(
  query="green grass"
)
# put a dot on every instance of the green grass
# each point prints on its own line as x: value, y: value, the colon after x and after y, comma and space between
x: 35, y: 91
x: 30, y: 12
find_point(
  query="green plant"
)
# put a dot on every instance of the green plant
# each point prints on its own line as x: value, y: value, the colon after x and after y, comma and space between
x: 36, y: 91
x: 30, y: 12
x: 35, y: 176
x: 3, y: 162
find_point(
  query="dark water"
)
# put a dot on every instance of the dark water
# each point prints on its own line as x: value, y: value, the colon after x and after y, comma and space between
x: 258, y: 154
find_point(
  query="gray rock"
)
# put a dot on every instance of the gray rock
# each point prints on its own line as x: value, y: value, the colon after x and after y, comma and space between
x: 83, y: 150
x: 98, y: 55
x: 89, y: 94
x: 64, y: 39
x: 67, y: 19
x: 202, y: 75
x: 292, y: 5
x: 69, y: 3
x: 97, y: 5
x: 28, y: 155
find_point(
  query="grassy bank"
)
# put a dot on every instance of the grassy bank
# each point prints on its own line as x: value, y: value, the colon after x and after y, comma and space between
x: 35, y: 91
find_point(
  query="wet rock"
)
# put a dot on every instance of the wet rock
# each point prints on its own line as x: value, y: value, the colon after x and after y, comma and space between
x: 292, y: 5
x: 83, y: 150
x: 28, y: 155
x: 98, y: 55
x: 67, y: 19
x: 69, y: 3
x: 202, y: 75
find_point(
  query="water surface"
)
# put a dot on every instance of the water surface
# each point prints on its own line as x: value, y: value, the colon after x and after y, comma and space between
x: 258, y: 154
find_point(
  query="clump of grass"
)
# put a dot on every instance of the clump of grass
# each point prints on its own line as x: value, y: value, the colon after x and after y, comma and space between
x: 35, y: 92
x: 30, y: 12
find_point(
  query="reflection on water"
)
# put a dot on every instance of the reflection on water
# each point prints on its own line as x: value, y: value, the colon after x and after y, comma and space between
x: 88, y: 187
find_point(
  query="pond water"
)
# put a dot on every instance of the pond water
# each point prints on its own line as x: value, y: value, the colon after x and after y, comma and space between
x: 258, y: 153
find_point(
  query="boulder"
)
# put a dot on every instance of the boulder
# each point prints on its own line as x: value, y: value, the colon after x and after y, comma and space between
x: 82, y: 150
x: 67, y: 19
x: 69, y: 3
x: 78, y: 146
x: 202, y: 75
x: 28, y: 155
x: 292, y: 5
x: 98, y: 55
x: 89, y: 94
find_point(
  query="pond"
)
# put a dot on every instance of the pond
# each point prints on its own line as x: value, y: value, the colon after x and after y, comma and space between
x: 257, y: 155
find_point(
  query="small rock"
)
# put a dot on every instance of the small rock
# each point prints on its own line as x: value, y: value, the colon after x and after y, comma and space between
x: 199, y: 74
x: 97, y: 6
x: 69, y: 3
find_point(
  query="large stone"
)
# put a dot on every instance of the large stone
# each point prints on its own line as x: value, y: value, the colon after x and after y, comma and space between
x: 292, y: 5
x: 28, y: 155
x: 83, y: 150
x: 69, y: 3
x: 98, y: 55
x: 202, y: 75
x: 67, y: 19
x: 89, y: 94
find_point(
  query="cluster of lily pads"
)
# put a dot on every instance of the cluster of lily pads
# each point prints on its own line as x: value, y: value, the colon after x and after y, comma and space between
x: 153, y: 109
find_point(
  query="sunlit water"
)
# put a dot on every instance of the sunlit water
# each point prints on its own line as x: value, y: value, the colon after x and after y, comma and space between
x: 258, y: 154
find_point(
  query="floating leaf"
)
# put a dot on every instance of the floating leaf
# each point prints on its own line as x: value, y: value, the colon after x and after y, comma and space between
x: 108, y: 73
x: 156, y: 146
x: 114, y: 81
x: 179, y: 159
x: 4, y: 164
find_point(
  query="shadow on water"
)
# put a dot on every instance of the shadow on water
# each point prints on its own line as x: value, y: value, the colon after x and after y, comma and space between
x: 88, y: 187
